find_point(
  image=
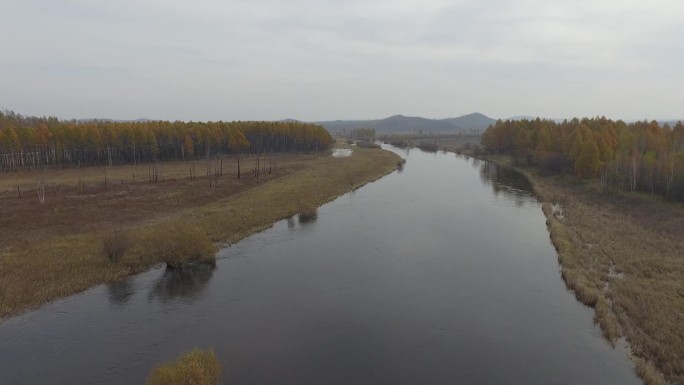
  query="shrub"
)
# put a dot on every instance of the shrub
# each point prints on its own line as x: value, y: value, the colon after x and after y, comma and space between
x: 177, y: 243
x: 115, y: 245
x: 196, y: 367
x: 307, y: 212
x: 428, y: 146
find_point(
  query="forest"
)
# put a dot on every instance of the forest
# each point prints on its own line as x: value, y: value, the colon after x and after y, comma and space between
x: 640, y: 156
x: 46, y: 142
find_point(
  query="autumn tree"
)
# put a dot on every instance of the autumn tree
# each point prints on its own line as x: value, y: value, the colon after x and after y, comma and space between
x: 636, y: 156
x: 588, y: 161
x: 188, y: 147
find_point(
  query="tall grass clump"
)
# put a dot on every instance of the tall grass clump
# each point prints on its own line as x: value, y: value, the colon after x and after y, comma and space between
x: 196, y: 367
x: 648, y: 373
x: 116, y: 245
x: 307, y: 213
x: 177, y: 243
x: 604, y: 317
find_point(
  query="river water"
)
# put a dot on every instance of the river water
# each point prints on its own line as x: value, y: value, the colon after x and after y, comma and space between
x: 441, y: 273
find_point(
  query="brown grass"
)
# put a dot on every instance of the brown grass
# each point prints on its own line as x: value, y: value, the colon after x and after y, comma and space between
x: 623, y: 254
x: 196, y: 367
x: 115, y: 245
x: 175, y: 243
x: 55, y: 249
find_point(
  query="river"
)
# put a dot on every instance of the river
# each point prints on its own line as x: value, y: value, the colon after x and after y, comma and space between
x: 441, y: 273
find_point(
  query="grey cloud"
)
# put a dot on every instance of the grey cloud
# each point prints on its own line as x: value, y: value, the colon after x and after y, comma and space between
x: 325, y: 59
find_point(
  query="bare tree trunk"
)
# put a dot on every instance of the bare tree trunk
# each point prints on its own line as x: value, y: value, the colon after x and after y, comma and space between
x: 603, y: 175
x: 41, y: 191
x: 633, y: 184
x: 668, y: 180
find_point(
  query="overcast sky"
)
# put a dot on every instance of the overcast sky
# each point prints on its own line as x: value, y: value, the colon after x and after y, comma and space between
x: 331, y: 59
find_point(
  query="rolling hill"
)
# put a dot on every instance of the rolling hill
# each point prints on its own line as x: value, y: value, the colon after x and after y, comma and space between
x: 401, y: 123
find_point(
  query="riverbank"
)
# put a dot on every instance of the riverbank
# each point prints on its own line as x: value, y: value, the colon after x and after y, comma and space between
x: 55, y: 249
x: 623, y: 255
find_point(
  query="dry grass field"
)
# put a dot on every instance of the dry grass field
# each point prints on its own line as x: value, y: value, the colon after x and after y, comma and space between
x: 74, y: 240
x: 623, y: 255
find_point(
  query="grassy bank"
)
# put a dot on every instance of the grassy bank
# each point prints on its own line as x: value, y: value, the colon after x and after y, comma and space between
x: 623, y: 255
x: 58, y: 248
x: 196, y: 367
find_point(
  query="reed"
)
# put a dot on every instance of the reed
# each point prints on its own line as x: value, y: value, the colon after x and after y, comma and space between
x: 196, y: 367
x: 175, y: 243
x: 622, y: 254
x: 115, y: 245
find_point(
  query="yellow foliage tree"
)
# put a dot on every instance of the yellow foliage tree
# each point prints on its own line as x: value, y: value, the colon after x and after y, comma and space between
x: 588, y: 162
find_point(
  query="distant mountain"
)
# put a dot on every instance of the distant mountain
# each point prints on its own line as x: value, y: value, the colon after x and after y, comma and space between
x: 401, y: 123
x: 671, y: 122
x: 522, y: 117
x: 474, y: 120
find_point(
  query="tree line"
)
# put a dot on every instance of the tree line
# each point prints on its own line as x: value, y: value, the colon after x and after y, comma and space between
x: 641, y: 156
x: 361, y: 133
x: 28, y: 142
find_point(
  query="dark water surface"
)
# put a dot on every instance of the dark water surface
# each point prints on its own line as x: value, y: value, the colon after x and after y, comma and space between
x: 442, y: 273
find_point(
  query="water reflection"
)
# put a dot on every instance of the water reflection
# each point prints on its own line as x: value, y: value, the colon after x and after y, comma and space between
x: 120, y: 292
x: 507, y: 183
x: 186, y: 282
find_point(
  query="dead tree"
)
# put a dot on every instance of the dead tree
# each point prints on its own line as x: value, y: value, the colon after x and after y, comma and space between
x: 41, y: 191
